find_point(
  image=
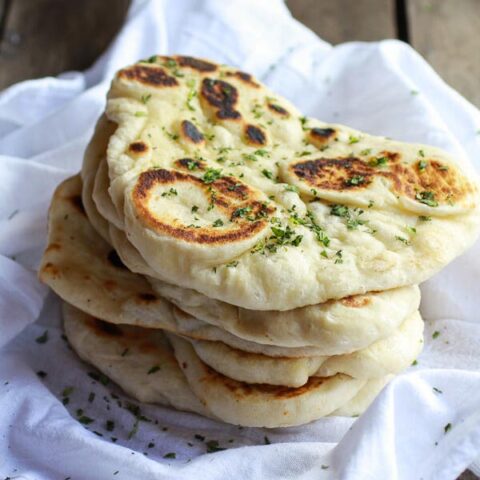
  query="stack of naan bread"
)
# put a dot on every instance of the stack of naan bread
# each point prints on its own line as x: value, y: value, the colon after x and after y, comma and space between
x: 225, y: 255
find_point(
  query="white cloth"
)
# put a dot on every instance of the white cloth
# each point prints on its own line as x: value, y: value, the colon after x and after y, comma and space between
x: 44, y: 127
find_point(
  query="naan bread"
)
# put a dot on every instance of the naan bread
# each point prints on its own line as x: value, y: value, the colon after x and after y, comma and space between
x: 260, y: 405
x: 85, y: 271
x: 227, y: 190
x: 384, y: 357
x: 93, y: 156
x: 139, y: 360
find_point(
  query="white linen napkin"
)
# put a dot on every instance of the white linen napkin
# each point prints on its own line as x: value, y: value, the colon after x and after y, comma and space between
x: 425, y: 424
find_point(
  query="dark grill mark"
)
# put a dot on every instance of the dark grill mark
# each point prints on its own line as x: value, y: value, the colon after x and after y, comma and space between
x: 244, y: 77
x: 191, y: 132
x: 278, y: 109
x: 154, y: 76
x: 196, y: 64
x: 222, y: 96
x: 255, y: 135
x: 190, y: 164
x: 321, y: 135
x: 138, y: 147
x: 147, y: 297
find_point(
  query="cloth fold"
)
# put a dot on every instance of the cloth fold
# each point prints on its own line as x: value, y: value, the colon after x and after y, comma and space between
x: 425, y: 424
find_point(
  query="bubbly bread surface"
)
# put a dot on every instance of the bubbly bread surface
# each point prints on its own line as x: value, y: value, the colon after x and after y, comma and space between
x: 224, y: 188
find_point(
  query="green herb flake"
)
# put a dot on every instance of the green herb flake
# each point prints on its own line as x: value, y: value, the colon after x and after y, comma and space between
x: 67, y: 391
x: 170, y: 455
x: 153, y: 369
x: 435, y: 334
x: 218, y: 223
x: 404, y: 240
x: 447, y: 427
x: 325, y: 467
x: 241, y: 212
x: 339, y: 255
x: 140, y: 114
x: 427, y: 198
x: 42, y: 338
x: 422, y: 165
x: 303, y: 123
x: 212, y: 446
x: 91, y: 397
x: 125, y: 352
x: 232, y: 264
x: 355, y: 180
x: 424, y: 218
x: 194, y: 209
x: 170, y: 193
x: 211, y: 175
x: 437, y: 390
x: 291, y: 188
x: 378, y: 162
x: 414, y: 363
x: 266, y: 440
x: 366, y: 151
x: 146, y: 98
x: 421, y: 153
x: 352, y: 139
x: 267, y: 173
x: 85, y: 420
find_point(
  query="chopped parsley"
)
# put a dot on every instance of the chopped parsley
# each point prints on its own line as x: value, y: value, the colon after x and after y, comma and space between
x: 172, y: 65
x: 154, y: 369
x: 352, y: 139
x: 241, y: 212
x: 303, y: 123
x: 232, y: 264
x: 339, y: 255
x: 447, y: 427
x: 140, y: 114
x: 343, y: 211
x: 403, y: 240
x: 85, y: 420
x: 42, y: 338
x: 378, y: 162
x: 194, y: 209
x: 422, y: 165
x: 411, y: 229
x: 170, y: 455
x: 172, y: 192
x: 67, y: 391
x: 435, y: 334
x: 268, y: 174
x: 211, y: 175
x: 146, y: 98
x: 261, y: 152
x: 365, y: 152
x: 212, y: 446
x: 355, y: 180
x: 192, y: 93
x: 291, y: 188
x: 218, y: 223
x: 424, y: 218
x: 414, y: 363
x: 427, y: 198
x: 437, y: 390
x: 99, y: 377
x: 310, y: 223
x: 421, y: 153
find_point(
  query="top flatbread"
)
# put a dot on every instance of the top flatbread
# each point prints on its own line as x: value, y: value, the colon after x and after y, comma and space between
x: 224, y: 188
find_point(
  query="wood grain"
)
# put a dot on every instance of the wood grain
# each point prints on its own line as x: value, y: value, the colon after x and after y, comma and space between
x: 346, y: 20
x: 47, y: 37
x: 447, y: 34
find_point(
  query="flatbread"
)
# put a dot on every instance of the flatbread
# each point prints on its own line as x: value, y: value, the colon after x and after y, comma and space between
x: 226, y: 189
x: 384, y: 357
x: 260, y: 405
x: 139, y: 360
x: 85, y: 271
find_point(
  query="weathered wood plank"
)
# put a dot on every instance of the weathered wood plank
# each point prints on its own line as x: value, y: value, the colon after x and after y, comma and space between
x: 446, y: 33
x: 346, y: 20
x: 46, y: 37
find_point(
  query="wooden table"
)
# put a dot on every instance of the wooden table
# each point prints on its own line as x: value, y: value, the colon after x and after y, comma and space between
x: 46, y: 37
